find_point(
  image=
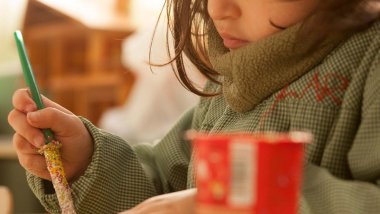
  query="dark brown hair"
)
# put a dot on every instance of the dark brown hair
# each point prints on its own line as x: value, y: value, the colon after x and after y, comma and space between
x: 188, y: 21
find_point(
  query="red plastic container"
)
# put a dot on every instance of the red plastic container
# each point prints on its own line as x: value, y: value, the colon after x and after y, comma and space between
x: 245, y: 173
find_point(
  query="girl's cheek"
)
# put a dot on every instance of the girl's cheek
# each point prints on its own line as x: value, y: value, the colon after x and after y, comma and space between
x: 289, y: 13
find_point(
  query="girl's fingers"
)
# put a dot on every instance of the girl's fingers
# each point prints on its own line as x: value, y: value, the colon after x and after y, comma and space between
x: 22, y: 101
x: 23, y: 147
x: 60, y: 122
x: 19, y: 123
x: 36, y: 165
x: 29, y: 157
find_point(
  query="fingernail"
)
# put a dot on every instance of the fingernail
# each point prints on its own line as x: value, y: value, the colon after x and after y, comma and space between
x: 30, y: 108
x: 39, y: 141
x: 33, y: 116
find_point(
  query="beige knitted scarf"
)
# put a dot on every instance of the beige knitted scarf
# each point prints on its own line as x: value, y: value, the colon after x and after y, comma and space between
x: 254, y: 72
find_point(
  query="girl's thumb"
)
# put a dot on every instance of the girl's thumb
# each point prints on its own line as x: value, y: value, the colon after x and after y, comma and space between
x: 51, y: 118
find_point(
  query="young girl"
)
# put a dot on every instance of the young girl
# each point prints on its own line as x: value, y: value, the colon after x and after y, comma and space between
x: 273, y: 65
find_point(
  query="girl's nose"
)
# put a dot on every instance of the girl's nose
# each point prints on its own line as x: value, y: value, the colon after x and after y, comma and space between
x: 223, y: 9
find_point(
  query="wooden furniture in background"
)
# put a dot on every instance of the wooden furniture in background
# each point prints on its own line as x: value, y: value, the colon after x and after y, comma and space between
x: 7, y: 151
x: 75, y: 51
x: 6, y: 201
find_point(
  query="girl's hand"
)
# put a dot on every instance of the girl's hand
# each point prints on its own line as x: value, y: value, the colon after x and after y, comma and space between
x: 178, y: 202
x: 26, y: 120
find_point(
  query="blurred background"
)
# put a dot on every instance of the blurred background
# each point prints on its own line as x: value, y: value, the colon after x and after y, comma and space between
x: 91, y: 57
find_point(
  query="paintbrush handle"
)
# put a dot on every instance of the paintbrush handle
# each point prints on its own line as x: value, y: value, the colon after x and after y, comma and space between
x: 30, y: 80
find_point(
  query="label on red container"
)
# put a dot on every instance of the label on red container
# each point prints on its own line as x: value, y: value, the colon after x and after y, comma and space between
x: 243, y: 168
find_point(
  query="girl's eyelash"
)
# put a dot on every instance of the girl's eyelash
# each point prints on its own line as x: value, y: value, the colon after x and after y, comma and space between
x: 276, y: 26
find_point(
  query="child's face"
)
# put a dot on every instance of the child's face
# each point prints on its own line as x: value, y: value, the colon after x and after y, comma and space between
x: 240, y: 22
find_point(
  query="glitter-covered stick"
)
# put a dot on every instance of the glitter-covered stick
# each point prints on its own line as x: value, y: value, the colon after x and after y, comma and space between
x: 51, y: 148
x: 55, y: 167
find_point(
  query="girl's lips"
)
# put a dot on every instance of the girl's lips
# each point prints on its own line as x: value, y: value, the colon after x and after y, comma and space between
x: 233, y: 43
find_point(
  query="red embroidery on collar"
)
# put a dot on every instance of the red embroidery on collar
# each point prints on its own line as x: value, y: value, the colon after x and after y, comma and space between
x: 326, y: 89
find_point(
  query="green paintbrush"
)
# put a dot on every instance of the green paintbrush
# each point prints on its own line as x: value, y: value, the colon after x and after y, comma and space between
x: 30, y: 80
x: 51, y: 149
